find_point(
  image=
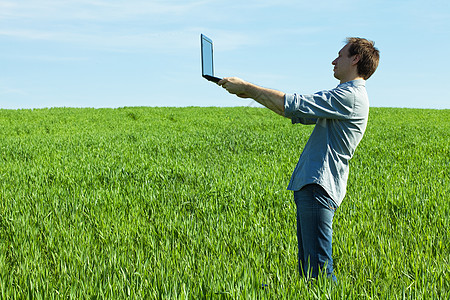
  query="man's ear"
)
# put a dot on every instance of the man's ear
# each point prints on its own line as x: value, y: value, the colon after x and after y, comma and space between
x: 356, y: 59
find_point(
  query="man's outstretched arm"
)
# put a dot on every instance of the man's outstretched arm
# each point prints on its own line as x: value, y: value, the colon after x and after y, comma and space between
x: 271, y: 99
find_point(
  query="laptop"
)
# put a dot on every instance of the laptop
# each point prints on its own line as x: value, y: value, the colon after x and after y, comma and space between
x: 207, y: 59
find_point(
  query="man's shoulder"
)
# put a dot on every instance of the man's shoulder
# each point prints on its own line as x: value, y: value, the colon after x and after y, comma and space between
x: 352, y: 89
x: 355, y: 95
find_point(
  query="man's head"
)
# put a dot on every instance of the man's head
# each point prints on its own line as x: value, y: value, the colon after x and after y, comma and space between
x: 357, y: 59
x: 369, y: 56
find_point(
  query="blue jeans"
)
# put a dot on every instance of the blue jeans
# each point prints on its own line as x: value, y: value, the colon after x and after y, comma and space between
x: 315, y: 211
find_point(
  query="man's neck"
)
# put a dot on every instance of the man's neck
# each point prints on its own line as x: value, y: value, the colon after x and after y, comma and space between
x: 351, y: 79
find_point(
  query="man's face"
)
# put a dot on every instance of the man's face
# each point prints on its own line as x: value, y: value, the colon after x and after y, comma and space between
x: 343, y: 64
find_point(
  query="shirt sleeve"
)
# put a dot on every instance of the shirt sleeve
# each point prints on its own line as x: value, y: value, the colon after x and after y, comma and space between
x: 333, y: 104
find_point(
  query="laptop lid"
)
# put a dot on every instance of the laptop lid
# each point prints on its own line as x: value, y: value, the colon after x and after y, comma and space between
x: 208, y: 59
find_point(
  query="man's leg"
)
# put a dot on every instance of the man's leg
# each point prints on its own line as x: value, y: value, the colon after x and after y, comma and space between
x: 315, y: 211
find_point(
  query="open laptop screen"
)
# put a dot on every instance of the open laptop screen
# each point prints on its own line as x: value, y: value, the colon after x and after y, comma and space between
x: 207, y: 59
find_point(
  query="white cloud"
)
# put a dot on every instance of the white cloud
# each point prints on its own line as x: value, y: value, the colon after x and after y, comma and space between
x: 93, y: 9
x: 118, y: 25
x: 28, y: 34
x: 136, y: 26
x: 7, y: 90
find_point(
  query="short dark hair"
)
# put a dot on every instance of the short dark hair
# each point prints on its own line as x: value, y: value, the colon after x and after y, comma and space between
x: 369, y: 55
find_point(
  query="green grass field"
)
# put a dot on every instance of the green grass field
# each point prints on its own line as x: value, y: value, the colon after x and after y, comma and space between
x: 191, y: 203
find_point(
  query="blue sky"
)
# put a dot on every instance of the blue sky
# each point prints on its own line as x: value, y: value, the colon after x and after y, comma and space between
x: 98, y: 53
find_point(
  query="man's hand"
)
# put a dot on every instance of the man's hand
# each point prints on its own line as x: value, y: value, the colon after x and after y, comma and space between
x: 271, y: 99
x: 235, y: 86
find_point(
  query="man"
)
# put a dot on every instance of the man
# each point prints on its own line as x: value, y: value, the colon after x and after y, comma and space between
x: 320, y: 178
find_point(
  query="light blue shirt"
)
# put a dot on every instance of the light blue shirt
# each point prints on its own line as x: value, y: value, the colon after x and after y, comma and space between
x: 341, y: 117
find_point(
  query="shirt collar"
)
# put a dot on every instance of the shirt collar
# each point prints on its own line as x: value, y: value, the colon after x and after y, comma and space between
x: 356, y: 82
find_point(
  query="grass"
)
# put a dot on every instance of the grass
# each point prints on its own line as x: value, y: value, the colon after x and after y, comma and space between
x: 191, y: 203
